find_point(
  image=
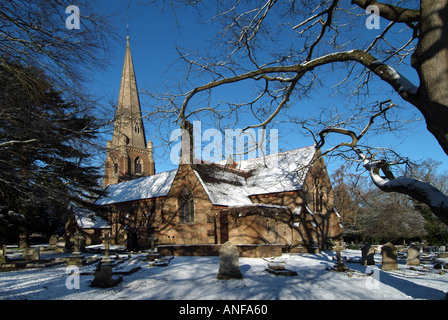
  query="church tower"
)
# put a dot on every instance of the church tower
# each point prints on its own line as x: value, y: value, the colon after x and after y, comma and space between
x: 128, y: 154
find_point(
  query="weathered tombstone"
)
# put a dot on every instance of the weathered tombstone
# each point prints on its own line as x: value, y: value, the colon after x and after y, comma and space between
x: 107, y: 238
x: 413, y: 254
x: 340, y: 266
x: 30, y: 254
x: 3, y: 258
x: 76, y: 258
x: 229, y: 267
x: 442, y: 248
x: 103, y: 276
x: 60, y: 244
x: 103, y: 273
x: 368, y: 254
x: 389, y: 255
x: 53, y: 241
x: 278, y: 268
x: 153, y: 240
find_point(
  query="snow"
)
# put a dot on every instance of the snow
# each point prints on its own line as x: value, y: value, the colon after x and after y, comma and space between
x: 279, y: 172
x: 88, y: 220
x: 157, y: 185
x: 275, y: 173
x: 194, y: 278
x: 402, y: 83
x: 228, y: 190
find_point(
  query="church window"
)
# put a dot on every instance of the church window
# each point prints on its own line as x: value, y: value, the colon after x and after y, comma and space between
x: 138, y: 165
x: 115, y: 168
x: 186, y: 206
x: 318, y: 198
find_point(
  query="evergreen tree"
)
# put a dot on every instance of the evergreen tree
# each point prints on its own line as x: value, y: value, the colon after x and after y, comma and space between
x: 45, y: 154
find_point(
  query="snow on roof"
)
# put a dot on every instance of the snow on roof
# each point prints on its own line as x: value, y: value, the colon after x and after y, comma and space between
x: 153, y: 186
x: 279, y: 172
x: 275, y: 173
x: 223, y: 187
x: 86, y: 219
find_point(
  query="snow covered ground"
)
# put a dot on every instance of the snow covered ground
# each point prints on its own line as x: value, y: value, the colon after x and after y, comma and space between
x: 194, y: 278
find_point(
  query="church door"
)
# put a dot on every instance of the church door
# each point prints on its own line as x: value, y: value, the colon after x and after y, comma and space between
x: 224, y: 227
x: 132, y: 241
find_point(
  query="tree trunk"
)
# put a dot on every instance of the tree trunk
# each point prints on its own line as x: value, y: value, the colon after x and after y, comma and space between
x: 431, y: 62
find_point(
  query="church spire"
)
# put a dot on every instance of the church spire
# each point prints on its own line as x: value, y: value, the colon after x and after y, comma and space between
x: 128, y: 127
x: 128, y: 154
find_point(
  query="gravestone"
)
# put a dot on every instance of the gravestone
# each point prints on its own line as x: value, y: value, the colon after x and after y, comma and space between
x: 52, y: 242
x: 153, y: 240
x: 107, y: 238
x: 31, y: 254
x: 413, y: 254
x: 389, y: 255
x: 76, y: 259
x: 442, y: 248
x: 3, y: 258
x: 60, y: 244
x: 103, y: 273
x: 339, y: 266
x: 368, y: 254
x: 229, y: 267
x: 278, y: 268
x: 103, y: 276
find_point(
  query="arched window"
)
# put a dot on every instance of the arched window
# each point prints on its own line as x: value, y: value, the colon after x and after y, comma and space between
x: 186, y: 206
x: 138, y: 165
x: 318, y: 198
x: 115, y: 168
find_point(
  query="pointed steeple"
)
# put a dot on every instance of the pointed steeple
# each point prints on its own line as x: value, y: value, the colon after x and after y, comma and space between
x: 128, y: 128
x: 128, y: 154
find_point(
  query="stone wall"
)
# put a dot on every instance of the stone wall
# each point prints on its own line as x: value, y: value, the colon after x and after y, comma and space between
x: 248, y: 251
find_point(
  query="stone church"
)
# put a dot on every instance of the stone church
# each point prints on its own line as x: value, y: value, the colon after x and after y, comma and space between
x: 280, y: 199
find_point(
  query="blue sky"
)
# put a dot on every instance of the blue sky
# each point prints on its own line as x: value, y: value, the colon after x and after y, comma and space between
x: 154, y: 34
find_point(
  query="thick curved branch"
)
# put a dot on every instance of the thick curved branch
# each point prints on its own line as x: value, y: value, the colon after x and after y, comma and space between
x: 400, y: 84
x: 418, y: 190
x: 390, y: 12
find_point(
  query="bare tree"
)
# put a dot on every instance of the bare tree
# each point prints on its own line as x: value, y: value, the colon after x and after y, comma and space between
x: 286, y: 50
x: 67, y: 42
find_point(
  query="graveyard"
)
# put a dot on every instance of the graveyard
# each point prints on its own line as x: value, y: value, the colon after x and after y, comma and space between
x: 108, y: 272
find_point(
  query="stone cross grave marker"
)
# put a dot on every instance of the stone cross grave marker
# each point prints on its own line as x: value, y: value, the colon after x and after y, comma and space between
x: 77, y: 242
x: 389, y: 255
x: 229, y: 267
x: 107, y: 238
x: 153, y: 240
x: 340, y: 266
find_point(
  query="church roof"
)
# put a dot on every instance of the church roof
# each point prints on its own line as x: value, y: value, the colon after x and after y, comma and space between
x: 275, y: 173
x: 225, y: 186
x: 157, y: 185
